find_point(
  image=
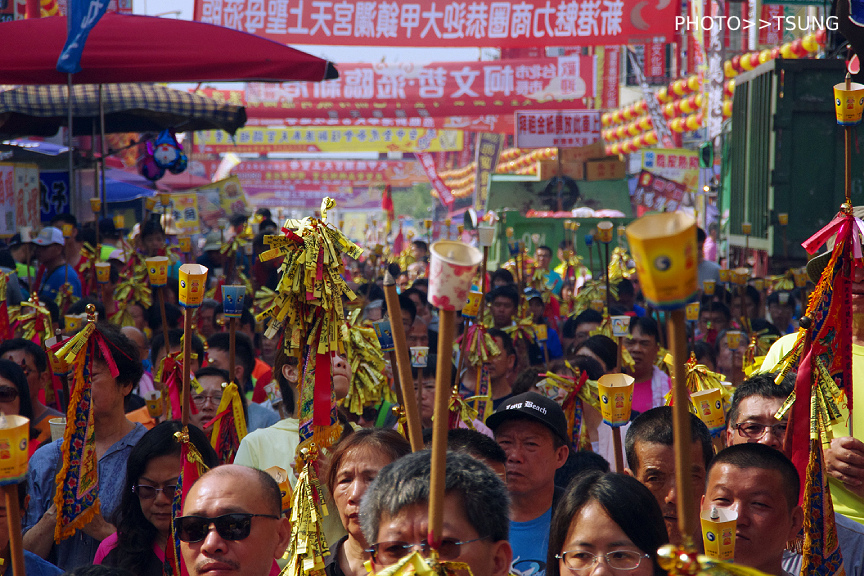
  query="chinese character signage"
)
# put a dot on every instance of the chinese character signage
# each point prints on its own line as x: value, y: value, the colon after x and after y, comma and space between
x: 309, y: 197
x: 422, y: 95
x: 676, y: 164
x: 657, y: 194
x: 27, y: 195
x: 561, y: 128
x: 488, y: 148
x: 7, y: 200
x: 184, y: 208
x: 609, y: 65
x: 284, y: 173
x: 435, y: 23
x: 427, y: 161
x: 307, y: 139
x: 53, y: 194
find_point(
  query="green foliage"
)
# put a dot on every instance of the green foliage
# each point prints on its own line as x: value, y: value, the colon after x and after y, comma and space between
x: 413, y: 202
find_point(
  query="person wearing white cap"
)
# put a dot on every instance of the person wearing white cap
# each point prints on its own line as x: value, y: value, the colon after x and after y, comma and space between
x: 53, y: 270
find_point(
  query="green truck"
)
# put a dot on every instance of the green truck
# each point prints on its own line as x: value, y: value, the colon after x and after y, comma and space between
x: 784, y: 154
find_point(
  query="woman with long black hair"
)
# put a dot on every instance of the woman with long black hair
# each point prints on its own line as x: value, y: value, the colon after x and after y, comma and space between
x: 144, y: 515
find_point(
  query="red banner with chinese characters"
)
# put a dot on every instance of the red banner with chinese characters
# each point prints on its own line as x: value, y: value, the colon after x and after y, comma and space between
x: 610, y: 65
x: 285, y: 173
x: 427, y: 161
x: 309, y: 197
x: 772, y: 34
x: 442, y: 89
x: 436, y: 23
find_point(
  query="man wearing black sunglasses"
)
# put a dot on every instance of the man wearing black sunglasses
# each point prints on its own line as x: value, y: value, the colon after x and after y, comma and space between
x: 232, y: 523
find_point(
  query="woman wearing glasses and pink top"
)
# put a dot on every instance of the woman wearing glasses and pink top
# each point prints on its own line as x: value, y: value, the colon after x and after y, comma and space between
x: 144, y: 515
x: 606, y: 524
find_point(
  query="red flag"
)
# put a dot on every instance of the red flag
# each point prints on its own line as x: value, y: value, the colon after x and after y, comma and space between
x: 399, y: 241
x: 192, y: 468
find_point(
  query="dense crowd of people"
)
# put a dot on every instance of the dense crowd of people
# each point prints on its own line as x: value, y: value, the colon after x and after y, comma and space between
x: 525, y: 493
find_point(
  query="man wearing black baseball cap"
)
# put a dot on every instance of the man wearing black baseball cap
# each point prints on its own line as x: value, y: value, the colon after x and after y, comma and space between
x: 532, y: 430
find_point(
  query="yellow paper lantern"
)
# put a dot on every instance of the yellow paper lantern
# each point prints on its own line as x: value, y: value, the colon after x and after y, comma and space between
x: 693, y: 82
x: 764, y: 56
x: 606, y: 119
x: 729, y: 70
x: 727, y: 108
x: 787, y: 52
x: 677, y: 124
x: 651, y: 138
x: 809, y: 43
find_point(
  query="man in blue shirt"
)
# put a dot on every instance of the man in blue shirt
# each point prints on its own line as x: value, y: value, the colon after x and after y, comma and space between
x: 54, y: 272
x: 532, y: 430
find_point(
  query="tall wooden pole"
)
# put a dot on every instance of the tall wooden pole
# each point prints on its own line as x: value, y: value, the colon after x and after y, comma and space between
x: 232, y: 339
x: 187, y: 358
x: 13, y: 519
x: 681, y: 424
x: 403, y: 363
x: 446, y: 324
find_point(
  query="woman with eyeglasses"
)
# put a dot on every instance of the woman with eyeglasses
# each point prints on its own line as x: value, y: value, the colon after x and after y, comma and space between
x: 354, y: 464
x: 15, y: 396
x: 606, y: 523
x: 144, y: 516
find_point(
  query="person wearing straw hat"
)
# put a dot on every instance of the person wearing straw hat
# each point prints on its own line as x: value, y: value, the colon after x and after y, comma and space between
x: 394, y: 514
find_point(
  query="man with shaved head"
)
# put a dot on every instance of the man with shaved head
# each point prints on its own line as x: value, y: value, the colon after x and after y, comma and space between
x: 232, y: 523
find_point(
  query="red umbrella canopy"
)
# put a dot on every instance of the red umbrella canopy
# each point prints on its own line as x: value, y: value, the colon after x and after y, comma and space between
x: 130, y: 48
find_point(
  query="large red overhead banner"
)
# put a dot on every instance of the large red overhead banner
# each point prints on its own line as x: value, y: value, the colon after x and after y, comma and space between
x: 436, y: 23
x: 285, y: 174
x: 442, y: 89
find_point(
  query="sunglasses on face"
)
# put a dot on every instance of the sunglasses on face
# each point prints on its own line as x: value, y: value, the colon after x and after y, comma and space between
x: 146, y: 492
x: 229, y: 526
x: 8, y: 393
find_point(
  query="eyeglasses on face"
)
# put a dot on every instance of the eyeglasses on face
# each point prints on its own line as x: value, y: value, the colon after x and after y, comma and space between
x: 387, y: 553
x: 756, y: 431
x: 229, y: 526
x: 582, y: 562
x: 146, y: 492
x: 201, y: 399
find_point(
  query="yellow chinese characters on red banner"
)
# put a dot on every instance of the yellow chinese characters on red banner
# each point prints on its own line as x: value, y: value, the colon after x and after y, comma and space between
x: 313, y: 139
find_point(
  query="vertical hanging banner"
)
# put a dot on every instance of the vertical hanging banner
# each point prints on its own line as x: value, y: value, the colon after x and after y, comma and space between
x: 427, y: 161
x: 610, y: 64
x: 716, y: 76
x: 435, y: 23
x: 27, y: 195
x: 487, y: 151
x: 661, y: 128
x: 53, y: 194
x: 7, y: 200
x: 83, y: 16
